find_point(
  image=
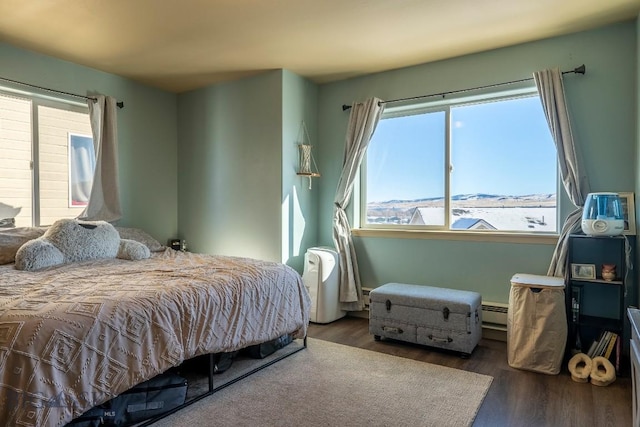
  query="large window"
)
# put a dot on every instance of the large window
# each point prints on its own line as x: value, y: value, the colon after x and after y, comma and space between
x: 46, y: 160
x: 487, y: 164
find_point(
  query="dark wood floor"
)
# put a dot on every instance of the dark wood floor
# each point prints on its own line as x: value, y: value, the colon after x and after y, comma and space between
x: 516, y: 397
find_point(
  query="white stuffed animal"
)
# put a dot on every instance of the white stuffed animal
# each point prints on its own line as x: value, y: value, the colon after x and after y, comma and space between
x: 71, y: 240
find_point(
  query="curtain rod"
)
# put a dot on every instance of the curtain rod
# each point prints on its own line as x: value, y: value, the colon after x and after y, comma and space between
x: 578, y: 70
x: 120, y: 104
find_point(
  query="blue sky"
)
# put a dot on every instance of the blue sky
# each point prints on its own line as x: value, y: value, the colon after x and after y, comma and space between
x: 497, y: 148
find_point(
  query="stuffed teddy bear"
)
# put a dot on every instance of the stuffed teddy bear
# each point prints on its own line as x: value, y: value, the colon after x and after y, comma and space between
x: 71, y: 240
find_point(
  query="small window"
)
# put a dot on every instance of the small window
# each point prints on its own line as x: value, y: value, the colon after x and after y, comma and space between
x: 487, y: 165
x: 46, y: 160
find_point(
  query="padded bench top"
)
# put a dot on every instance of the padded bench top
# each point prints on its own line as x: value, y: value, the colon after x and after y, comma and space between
x: 428, y: 297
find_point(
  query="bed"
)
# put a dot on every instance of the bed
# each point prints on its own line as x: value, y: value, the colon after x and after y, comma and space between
x: 76, y: 335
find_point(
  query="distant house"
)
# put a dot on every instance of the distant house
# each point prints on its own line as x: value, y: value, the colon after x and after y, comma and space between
x: 472, y: 224
x: 427, y: 216
x: 435, y: 216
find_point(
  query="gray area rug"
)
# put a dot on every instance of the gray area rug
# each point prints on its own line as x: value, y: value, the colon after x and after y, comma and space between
x: 330, y: 384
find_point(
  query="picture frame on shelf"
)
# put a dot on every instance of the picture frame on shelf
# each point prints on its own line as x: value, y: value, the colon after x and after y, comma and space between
x: 627, y: 200
x: 583, y: 271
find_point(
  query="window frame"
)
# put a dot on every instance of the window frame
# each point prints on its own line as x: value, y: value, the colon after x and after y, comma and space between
x: 37, y: 100
x: 362, y: 228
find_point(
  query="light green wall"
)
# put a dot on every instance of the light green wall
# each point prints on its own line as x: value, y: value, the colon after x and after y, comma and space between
x: 602, y: 105
x: 146, y: 129
x: 299, y: 203
x: 230, y: 163
x: 238, y: 190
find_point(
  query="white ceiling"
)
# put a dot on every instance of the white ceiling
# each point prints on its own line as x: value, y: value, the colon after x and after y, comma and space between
x: 178, y: 45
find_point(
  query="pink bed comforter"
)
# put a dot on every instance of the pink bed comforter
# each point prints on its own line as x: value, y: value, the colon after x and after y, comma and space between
x: 77, y: 335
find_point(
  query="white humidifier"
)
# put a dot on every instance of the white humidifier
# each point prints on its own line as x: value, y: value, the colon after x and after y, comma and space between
x: 602, y: 215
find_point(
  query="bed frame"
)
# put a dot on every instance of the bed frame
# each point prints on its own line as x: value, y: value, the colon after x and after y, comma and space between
x: 214, y: 389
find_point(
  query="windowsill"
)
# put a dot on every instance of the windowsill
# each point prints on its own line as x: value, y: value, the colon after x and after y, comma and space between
x: 470, y: 236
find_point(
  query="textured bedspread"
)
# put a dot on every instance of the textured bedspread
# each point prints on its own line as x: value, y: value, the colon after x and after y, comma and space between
x: 76, y: 335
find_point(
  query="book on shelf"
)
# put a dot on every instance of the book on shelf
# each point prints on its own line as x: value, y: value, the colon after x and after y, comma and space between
x: 610, y: 345
x: 604, y: 345
x: 592, y: 348
x: 602, y: 342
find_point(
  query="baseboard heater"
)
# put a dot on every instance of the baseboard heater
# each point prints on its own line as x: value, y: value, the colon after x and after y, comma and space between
x: 494, y: 315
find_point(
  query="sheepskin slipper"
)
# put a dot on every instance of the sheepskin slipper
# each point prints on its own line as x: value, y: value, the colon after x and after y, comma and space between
x: 580, y: 366
x: 602, y: 373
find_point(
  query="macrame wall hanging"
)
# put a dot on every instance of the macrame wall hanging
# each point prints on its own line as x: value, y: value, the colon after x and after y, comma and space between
x: 307, y: 164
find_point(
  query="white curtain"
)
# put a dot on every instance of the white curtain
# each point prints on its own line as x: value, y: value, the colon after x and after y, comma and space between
x: 551, y: 89
x: 104, y: 203
x: 362, y: 123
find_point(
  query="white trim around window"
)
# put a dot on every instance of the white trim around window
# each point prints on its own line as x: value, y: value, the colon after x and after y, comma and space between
x: 540, y: 227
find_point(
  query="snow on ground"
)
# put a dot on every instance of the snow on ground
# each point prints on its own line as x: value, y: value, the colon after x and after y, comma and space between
x: 540, y: 219
x: 515, y: 219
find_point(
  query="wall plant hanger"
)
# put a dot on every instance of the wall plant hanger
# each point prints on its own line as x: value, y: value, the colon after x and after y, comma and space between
x: 307, y: 164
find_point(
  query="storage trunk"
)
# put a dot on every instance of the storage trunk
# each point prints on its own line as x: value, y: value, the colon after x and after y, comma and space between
x: 437, y: 317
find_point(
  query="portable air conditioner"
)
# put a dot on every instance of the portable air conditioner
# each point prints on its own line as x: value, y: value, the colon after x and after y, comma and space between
x: 321, y: 278
x: 602, y: 215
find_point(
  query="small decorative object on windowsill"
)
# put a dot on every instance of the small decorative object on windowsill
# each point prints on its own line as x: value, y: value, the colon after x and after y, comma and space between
x: 608, y: 272
x: 307, y: 163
